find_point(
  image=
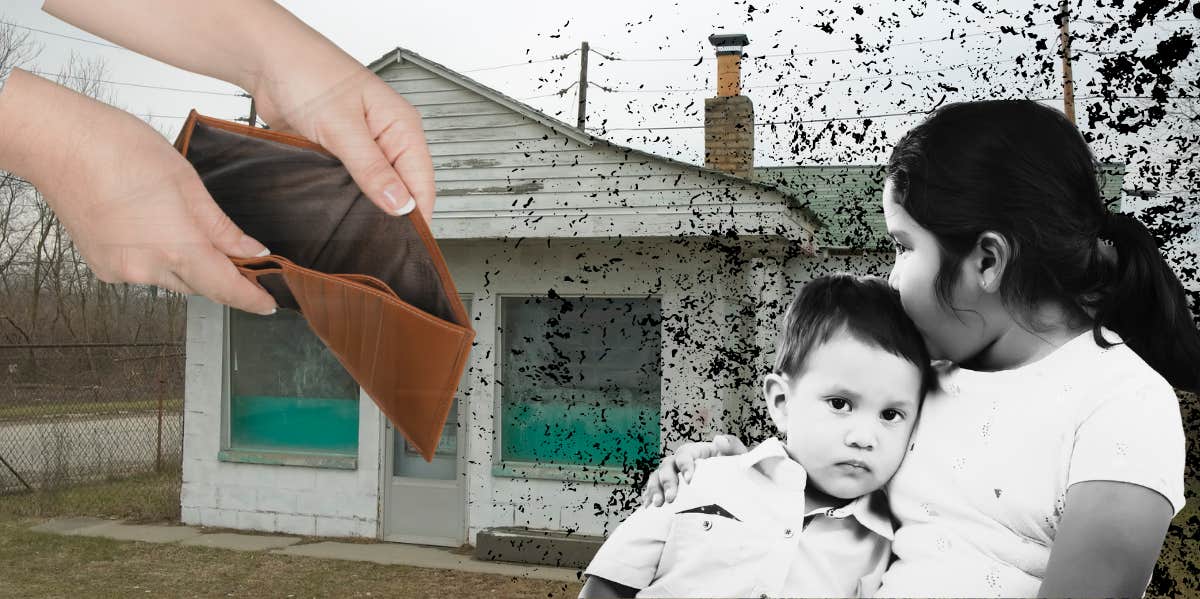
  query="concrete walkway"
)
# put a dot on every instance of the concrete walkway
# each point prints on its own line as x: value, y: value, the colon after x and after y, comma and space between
x: 380, y: 553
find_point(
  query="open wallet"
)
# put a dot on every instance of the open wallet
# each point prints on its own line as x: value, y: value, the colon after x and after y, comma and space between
x: 372, y: 286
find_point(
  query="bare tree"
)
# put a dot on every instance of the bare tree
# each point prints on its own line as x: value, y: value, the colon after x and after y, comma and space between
x: 17, y: 49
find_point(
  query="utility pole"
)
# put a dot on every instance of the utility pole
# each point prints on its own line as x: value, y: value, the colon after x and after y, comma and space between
x: 253, y: 118
x: 1065, y: 38
x: 583, y: 85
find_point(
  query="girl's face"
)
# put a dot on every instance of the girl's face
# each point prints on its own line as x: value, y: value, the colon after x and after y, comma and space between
x: 949, y: 334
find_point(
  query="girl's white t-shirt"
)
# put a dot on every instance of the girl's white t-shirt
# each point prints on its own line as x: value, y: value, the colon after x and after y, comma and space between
x: 982, y: 489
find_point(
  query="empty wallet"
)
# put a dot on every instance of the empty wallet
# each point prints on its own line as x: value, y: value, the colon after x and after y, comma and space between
x: 373, y: 287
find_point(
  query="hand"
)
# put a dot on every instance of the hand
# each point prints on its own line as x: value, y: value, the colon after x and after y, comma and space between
x: 301, y: 82
x: 135, y: 209
x: 664, y: 481
x: 330, y: 99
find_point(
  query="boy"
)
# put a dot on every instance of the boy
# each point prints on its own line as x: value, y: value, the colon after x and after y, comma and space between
x: 800, y: 517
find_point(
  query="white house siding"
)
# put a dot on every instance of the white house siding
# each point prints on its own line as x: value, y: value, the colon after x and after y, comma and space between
x: 508, y: 181
x: 504, y: 173
x: 696, y: 291
x: 489, y: 270
x: 289, y: 499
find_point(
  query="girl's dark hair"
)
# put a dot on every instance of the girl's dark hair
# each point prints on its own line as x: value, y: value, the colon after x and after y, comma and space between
x: 1023, y: 170
x: 866, y: 308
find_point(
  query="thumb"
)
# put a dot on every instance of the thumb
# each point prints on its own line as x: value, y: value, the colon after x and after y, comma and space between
x: 728, y: 445
x: 353, y: 145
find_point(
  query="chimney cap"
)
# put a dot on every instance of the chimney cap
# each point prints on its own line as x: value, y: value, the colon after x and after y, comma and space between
x: 731, y: 43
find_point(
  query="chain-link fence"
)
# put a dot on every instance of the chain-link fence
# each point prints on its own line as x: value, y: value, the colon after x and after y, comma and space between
x: 73, y: 413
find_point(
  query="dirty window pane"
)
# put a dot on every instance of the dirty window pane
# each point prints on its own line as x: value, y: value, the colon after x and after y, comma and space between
x: 580, y: 380
x: 287, y: 392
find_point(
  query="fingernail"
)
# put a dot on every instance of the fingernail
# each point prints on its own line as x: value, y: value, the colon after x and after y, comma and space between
x: 400, y: 201
x: 657, y: 500
x: 270, y: 312
x: 687, y: 476
x: 407, y: 208
x: 252, y: 247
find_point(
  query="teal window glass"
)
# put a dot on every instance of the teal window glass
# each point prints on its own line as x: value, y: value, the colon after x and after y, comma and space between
x: 287, y: 392
x: 580, y: 380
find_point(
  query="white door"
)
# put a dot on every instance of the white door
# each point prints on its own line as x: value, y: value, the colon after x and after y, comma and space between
x: 424, y: 502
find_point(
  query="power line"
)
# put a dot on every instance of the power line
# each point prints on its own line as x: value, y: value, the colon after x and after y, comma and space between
x: 70, y: 37
x: 147, y: 86
x: 752, y: 86
x: 520, y: 64
x: 1096, y: 22
x: 848, y: 118
x: 157, y: 116
x: 768, y: 123
x: 608, y: 54
x: 560, y: 92
x: 108, y: 45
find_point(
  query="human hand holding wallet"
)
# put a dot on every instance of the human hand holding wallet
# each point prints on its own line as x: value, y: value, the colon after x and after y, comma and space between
x: 373, y: 287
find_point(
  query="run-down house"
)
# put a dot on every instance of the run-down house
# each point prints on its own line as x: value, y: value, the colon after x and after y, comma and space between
x: 623, y: 302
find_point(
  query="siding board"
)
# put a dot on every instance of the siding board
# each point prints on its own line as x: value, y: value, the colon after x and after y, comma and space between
x: 453, y: 109
x: 502, y: 171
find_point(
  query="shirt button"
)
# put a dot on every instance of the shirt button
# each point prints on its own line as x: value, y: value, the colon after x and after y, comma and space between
x: 787, y: 532
x: 707, y: 525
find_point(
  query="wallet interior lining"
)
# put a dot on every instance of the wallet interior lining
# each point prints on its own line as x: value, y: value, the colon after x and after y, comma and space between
x: 303, y: 205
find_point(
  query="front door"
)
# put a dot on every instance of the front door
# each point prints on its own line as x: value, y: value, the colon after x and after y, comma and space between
x: 424, y: 502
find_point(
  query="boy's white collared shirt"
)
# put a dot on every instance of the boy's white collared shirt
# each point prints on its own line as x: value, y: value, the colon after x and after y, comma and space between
x: 738, y: 529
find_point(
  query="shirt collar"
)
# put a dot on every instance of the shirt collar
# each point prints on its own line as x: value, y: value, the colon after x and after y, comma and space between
x: 870, y: 510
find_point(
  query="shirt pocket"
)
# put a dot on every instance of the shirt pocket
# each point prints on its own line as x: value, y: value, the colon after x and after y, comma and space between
x: 696, y: 543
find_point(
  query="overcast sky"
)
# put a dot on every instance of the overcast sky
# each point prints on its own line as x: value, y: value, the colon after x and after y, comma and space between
x: 662, y: 46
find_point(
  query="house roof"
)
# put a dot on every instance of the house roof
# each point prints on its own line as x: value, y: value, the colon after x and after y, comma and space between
x: 840, y: 203
x: 400, y: 55
x: 846, y: 199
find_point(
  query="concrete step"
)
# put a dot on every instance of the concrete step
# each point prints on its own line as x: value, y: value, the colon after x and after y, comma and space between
x: 533, y: 546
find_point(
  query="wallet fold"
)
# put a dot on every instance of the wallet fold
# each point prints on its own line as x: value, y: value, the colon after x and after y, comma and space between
x: 373, y: 287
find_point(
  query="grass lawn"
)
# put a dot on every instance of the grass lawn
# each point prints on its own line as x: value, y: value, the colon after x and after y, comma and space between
x: 38, y: 565
x: 42, y: 565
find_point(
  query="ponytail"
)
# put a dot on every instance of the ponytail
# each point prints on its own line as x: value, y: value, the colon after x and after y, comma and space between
x: 1145, y: 304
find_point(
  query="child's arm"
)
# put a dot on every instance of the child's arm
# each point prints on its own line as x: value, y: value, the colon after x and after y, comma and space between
x: 1108, y: 541
x: 603, y: 588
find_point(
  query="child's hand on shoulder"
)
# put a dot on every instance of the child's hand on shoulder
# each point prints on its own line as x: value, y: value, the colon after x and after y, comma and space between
x: 663, y: 485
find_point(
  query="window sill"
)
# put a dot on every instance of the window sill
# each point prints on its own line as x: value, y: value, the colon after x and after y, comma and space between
x: 278, y: 458
x: 573, y: 472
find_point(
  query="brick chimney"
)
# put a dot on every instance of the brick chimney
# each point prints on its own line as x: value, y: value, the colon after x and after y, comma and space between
x: 729, y: 117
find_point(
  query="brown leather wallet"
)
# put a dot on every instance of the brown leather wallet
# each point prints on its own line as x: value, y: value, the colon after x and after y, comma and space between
x: 373, y: 287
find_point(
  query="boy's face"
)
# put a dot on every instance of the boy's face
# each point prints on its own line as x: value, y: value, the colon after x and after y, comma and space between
x: 848, y: 415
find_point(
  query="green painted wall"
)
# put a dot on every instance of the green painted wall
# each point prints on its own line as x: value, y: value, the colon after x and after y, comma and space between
x: 316, y: 425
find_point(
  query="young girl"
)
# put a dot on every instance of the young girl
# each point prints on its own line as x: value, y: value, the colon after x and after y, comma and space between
x: 1052, y: 461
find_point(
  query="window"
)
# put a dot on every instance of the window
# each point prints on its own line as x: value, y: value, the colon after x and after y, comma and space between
x: 290, y: 400
x: 580, y: 380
